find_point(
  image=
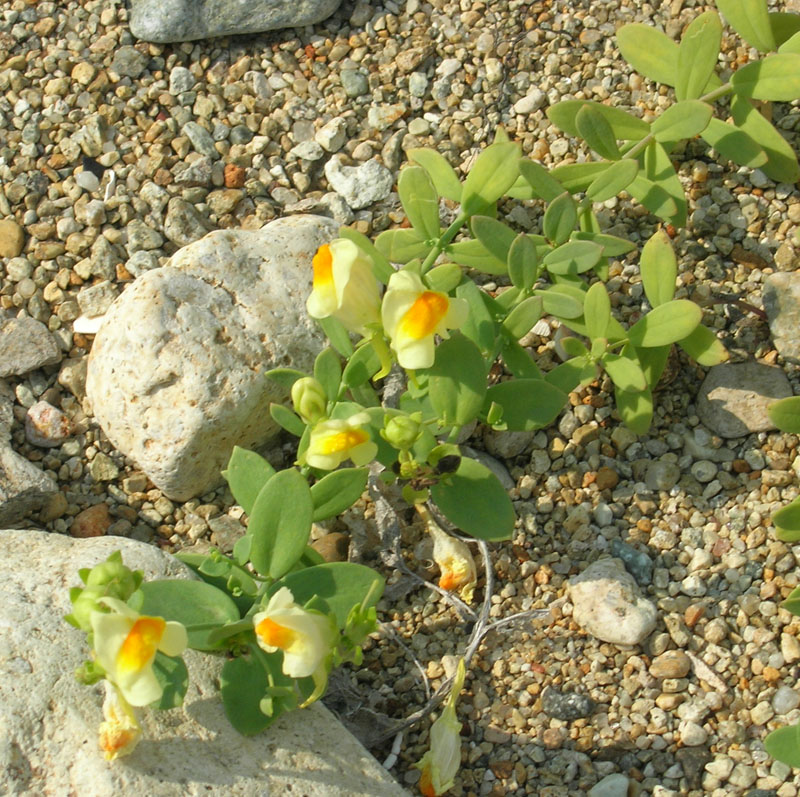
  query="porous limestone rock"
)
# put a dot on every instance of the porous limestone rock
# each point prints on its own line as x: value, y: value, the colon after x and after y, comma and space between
x: 608, y: 604
x: 176, y: 373
x: 48, y: 743
x: 186, y: 20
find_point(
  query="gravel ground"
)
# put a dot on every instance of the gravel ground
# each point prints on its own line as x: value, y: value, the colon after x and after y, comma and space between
x: 229, y: 126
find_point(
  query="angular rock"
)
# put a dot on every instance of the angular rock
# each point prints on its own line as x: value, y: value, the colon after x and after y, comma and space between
x: 607, y: 603
x: 360, y: 186
x: 50, y: 721
x: 183, y: 224
x: 185, y: 20
x: 781, y: 297
x: 734, y: 397
x: 26, y: 344
x: 176, y: 372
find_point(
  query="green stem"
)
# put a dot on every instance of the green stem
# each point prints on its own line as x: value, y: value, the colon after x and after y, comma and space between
x: 443, y: 241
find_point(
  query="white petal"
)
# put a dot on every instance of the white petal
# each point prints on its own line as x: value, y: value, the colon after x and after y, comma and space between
x: 110, y: 631
x: 174, y: 640
x: 141, y: 688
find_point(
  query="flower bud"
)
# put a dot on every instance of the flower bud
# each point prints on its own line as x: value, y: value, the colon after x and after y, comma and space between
x: 114, y: 578
x: 309, y: 399
x: 83, y: 606
x: 402, y: 431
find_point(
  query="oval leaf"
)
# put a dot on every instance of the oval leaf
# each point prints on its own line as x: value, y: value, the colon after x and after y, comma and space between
x: 626, y: 127
x: 560, y: 219
x: 625, y: 372
x: 246, y: 474
x: 420, y: 200
x: 544, y: 185
x: 492, y: 174
x: 328, y: 372
x: 704, y: 347
x: 597, y: 310
x: 650, y: 52
x: 442, y: 174
x: 494, y: 235
x: 457, y: 381
x: 473, y: 254
x: 520, y: 320
x: 750, y: 19
x: 683, y: 120
x: 785, y: 414
x: 596, y: 132
x: 473, y: 499
x: 635, y: 409
x: 337, y: 491
x: 665, y: 324
x: 527, y: 404
x: 734, y: 144
x: 573, y: 257
x: 443, y: 278
x: 777, y: 77
x: 280, y: 523
x: 617, y: 177
x: 659, y: 269
x: 577, y: 177
x: 400, y: 246
x: 784, y: 744
x: 562, y: 302
x: 697, y: 56
x: 523, y: 262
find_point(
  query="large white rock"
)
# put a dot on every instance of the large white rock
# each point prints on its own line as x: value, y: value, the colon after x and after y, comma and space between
x: 176, y: 372
x: 48, y: 721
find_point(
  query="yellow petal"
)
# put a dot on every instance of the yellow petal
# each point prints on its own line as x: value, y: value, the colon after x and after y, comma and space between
x: 322, y: 264
x: 425, y: 315
x: 139, y: 647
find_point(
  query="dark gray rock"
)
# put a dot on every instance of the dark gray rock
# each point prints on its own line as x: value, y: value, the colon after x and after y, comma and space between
x: 637, y: 563
x: 733, y: 399
x: 186, y: 20
x: 566, y: 705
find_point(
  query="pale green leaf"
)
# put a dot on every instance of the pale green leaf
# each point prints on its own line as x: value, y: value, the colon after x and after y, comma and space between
x: 457, y: 381
x: 635, y: 408
x: 246, y: 474
x: 562, y: 301
x: 650, y: 52
x: 492, y: 174
x: 734, y: 144
x: 750, y: 19
x: 542, y: 183
x: 784, y: 27
x: 653, y: 196
x: 442, y: 174
x: 596, y: 132
x: 625, y: 372
x: 573, y: 257
x: 494, y: 235
x: 473, y: 254
x: 625, y: 126
x: 527, y: 404
x: 617, y: 177
x: 791, y: 45
x: 560, y: 219
x: 658, y: 168
x: 520, y: 320
x: 596, y: 310
x: 667, y: 323
x: 420, y: 200
x: 784, y: 744
x: 402, y: 245
x: 704, y: 347
x: 577, y: 177
x: 776, y: 77
x: 683, y: 120
x: 328, y: 372
x: 337, y: 491
x: 697, y: 57
x: 443, y: 278
x: 612, y: 245
x: 523, y: 262
x: 659, y: 269
x: 785, y: 414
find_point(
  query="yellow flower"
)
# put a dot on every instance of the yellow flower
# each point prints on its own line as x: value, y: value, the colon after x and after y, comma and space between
x: 412, y: 315
x: 344, y: 286
x: 440, y: 764
x: 331, y: 442
x: 455, y: 561
x: 306, y: 638
x: 125, y: 645
x: 120, y: 732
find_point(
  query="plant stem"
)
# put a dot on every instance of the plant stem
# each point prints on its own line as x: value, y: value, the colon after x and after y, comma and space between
x: 443, y: 241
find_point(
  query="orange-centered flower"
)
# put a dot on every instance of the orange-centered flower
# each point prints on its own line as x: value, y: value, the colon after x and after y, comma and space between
x: 344, y: 286
x: 125, y: 645
x: 412, y: 315
x: 274, y: 635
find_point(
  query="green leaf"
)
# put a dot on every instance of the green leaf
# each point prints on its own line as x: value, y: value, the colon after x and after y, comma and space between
x: 574, y: 347
x: 443, y: 176
x: 196, y: 604
x: 697, y: 57
x: 784, y: 744
x: 361, y: 367
x: 420, y: 200
x: 617, y: 177
x: 520, y: 320
x: 518, y: 361
x: 791, y: 45
x: 785, y: 414
x: 544, y: 185
x: 523, y: 262
x: 242, y: 682
x: 612, y: 245
x: 381, y: 267
x: 596, y: 310
x: 337, y: 491
x: 750, y: 19
x: 635, y: 409
x: 479, y: 326
x: 494, y: 235
x: 576, y: 177
x: 562, y: 301
x: 734, y: 144
x: 777, y: 78
x: 792, y: 603
x: 667, y: 323
x: 704, y: 347
x: 492, y: 174
x: 653, y: 196
x: 328, y: 372
x: 560, y: 219
x: 567, y: 376
x: 685, y: 119
x: 659, y: 269
x: 527, y: 404
x: 625, y: 126
x: 341, y: 585
x: 286, y: 419
x: 473, y: 499
x: 457, y: 381
x: 784, y: 27
x: 473, y: 254
x: 650, y: 52
x: 624, y: 371
x: 443, y: 278
x: 285, y: 377
x: 402, y: 245
x: 573, y: 257
x: 246, y: 474
x: 596, y: 132
x: 652, y: 360
x: 781, y: 165
x: 658, y: 168
x: 280, y: 523
x: 219, y: 571
x: 172, y: 675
